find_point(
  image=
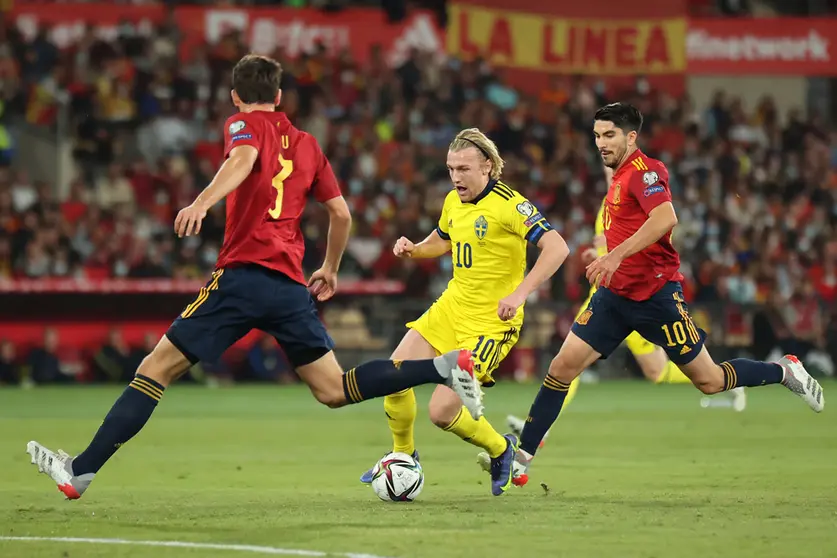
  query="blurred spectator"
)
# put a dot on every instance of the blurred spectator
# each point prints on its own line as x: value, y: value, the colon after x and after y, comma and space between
x: 267, y: 362
x: 52, y: 363
x: 9, y: 366
x: 113, y: 361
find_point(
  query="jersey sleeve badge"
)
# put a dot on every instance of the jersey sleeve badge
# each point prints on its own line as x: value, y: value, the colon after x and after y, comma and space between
x: 526, y: 209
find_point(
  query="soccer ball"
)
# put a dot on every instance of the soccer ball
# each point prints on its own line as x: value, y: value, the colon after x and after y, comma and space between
x: 397, y: 477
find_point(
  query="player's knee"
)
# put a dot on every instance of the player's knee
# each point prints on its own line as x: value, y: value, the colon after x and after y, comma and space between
x: 443, y: 410
x: 709, y: 381
x: 709, y: 386
x: 562, y: 369
x: 164, y: 364
x: 331, y: 398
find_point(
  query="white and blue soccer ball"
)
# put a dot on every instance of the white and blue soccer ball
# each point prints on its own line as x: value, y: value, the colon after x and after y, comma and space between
x: 397, y: 477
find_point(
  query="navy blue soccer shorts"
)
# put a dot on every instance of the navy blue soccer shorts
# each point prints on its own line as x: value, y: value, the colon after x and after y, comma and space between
x: 237, y: 300
x: 663, y: 320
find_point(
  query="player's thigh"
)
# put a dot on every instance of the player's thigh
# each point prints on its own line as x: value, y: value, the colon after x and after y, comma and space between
x: 488, y: 349
x: 324, y: 377
x: 165, y: 363
x: 707, y: 376
x: 575, y: 355
x: 437, y: 327
x: 220, y: 315
x: 414, y: 346
x: 664, y: 321
x: 603, y: 324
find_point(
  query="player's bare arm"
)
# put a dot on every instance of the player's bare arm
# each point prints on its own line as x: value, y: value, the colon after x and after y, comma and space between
x: 431, y: 247
x: 232, y: 173
x: 660, y: 221
x: 554, y: 252
x: 323, y: 282
x: 590, y: 254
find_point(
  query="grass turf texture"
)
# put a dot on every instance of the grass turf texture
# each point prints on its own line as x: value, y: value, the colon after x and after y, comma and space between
x: 634, y: 470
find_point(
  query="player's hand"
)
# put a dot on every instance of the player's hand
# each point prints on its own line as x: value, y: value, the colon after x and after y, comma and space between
x: 403, y: 247
x: 323, y: 284
x: 602, y: 269
x: 188, y: 221
x: 589, y: 256
x: 507, y: 308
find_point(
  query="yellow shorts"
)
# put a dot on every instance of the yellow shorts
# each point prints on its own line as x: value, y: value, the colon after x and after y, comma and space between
x: 445, y: 329
x: 635, y: 342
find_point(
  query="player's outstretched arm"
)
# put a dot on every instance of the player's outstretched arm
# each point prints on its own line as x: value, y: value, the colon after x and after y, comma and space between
x: 323, y: 282
x: 660, y: 220
x: 554, y: 251
x: 431, y: 247
x: 229, y: 177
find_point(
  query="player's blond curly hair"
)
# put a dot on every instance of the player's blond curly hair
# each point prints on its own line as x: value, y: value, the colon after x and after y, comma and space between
x: 472, y: 137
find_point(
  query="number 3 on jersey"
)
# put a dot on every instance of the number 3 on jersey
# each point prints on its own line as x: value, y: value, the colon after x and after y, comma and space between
x: 278, y: 182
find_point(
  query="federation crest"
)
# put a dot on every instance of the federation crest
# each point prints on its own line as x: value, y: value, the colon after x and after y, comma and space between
x: 584, y: 317
x: 480, y: 227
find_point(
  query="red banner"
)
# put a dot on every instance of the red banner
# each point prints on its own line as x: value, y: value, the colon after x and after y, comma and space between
x: 165, y: 286
x: 67, y: 22
x: 264, y: 29
x: 774, y: 46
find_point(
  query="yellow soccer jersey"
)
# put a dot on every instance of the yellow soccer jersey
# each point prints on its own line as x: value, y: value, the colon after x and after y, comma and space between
x: 602, y: 250
x: 488, y: 238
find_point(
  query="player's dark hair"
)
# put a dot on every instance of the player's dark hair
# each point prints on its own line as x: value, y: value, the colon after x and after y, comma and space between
x: 624, y: 116
x: 256, y: 79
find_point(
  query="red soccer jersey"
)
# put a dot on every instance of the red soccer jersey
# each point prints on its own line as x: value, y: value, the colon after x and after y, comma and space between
x: 263, y: 213
x: 638, y: 186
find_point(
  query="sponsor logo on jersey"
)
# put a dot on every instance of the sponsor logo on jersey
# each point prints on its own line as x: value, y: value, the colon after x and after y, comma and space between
x: 237, y: 126
x: 480, y: 227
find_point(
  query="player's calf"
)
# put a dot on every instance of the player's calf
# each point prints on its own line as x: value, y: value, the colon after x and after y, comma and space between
x: 712, y: 378
x: 378, y: 378
x: 575, y: 355
x: 444, y: 407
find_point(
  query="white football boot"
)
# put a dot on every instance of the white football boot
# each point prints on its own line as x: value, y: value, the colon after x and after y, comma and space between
x: 59, y: 467
x: 798, y: 380
x: 461, y: 379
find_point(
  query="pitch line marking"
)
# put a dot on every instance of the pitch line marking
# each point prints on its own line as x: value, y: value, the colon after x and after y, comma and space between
x: 202, y: 546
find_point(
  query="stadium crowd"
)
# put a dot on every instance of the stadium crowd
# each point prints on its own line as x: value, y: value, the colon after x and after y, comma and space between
x: 755, y: 190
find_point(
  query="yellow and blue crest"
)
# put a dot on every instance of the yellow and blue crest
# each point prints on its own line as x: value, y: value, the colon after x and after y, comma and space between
x: 480, y: 227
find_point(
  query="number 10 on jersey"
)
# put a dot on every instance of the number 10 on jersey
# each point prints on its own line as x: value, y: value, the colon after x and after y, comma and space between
x: 278, y: 182
x: 464, y: 257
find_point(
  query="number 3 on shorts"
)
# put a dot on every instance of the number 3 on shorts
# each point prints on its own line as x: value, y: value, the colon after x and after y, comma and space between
x: 278, y: 182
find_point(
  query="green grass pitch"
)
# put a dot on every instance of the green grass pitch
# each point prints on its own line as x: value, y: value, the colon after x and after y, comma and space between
x: 633, y: 470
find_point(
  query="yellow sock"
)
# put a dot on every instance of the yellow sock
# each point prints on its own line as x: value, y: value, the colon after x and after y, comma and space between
x: 673, y: 375
x: 571, y: 393
x: 477, y: 432
x: 401, y: 412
